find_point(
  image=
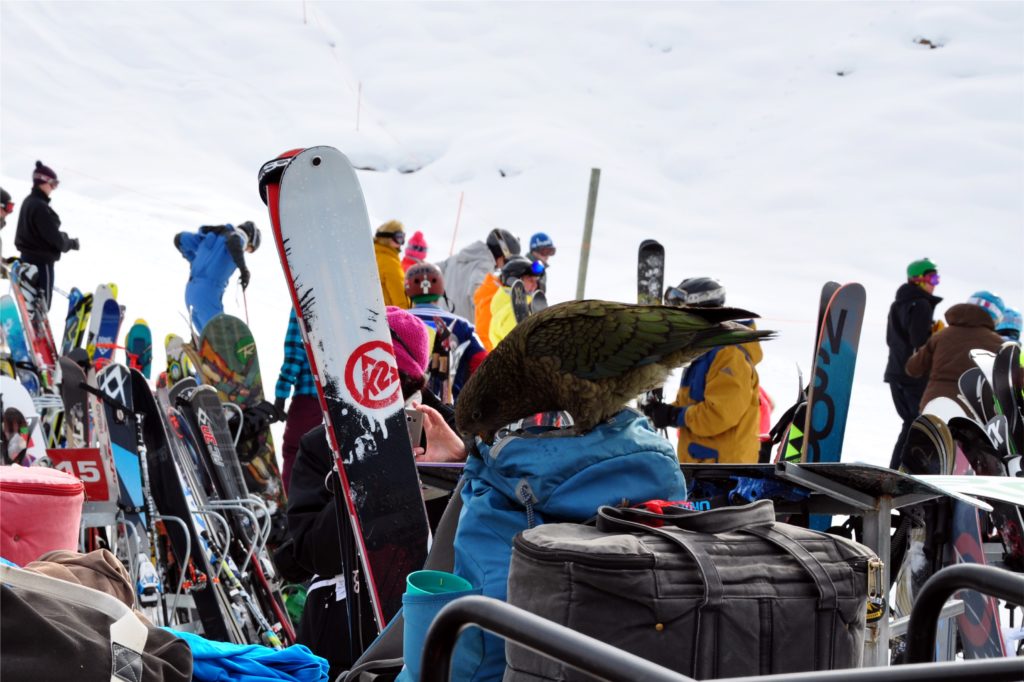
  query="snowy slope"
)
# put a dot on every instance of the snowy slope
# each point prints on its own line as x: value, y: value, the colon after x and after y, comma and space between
x: 723, y: 130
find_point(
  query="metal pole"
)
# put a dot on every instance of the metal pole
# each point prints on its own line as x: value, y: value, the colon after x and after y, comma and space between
x: 588, y: 229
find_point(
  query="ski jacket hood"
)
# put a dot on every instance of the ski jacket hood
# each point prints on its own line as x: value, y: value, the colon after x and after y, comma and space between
x: 720, y: 392
x: 38, y: 236
x: 392, y: 277
x: 908, y: 327
x: 947, y: 354
x: 464, y: 272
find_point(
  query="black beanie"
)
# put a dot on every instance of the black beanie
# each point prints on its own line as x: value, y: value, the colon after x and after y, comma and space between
x: 43, y: 174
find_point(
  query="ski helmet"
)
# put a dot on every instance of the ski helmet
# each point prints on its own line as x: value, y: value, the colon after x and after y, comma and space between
x: 1011, y: 325
x: 391, y: 230
x: 503, y: 244
x: 424, y: 282
x: 992, y: 304
x: 517, y: 267
x: 921, y: 267
x: 252, y: 234
x: 699, y: 292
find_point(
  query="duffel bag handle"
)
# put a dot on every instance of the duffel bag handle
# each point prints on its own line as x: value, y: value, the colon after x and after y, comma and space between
x: 610, y: 519
x: 828, y: 596
x: 721, y: 520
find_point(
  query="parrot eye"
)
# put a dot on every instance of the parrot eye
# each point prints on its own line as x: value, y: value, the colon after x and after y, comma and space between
x: 477, y: 415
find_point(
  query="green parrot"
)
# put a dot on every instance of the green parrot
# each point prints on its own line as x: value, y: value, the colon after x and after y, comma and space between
x: 589, y: 358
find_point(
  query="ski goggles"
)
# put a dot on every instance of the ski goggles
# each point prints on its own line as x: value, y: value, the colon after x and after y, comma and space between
x: 537, y: 268
x: 547, y: 251
x: 929, y: 278
x: 9, y: 207
x: 397, y: 237
x: 678, y: 297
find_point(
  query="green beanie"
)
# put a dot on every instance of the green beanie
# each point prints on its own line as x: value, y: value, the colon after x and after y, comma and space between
x: 920, y: 267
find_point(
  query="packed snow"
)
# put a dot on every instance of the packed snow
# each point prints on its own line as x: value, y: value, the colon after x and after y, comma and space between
x: 771, y: 145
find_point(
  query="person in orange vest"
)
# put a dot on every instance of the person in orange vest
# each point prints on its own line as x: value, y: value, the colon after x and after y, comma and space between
x: 503, y: 246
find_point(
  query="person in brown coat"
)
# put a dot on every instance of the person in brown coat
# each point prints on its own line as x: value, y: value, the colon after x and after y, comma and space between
x: 947, y: 354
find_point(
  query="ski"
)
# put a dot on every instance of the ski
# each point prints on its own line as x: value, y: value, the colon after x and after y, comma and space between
x: 79, y: 307
x: 318, y: 216
x: 77, y: 423
x: 650, y: 272
x: 979, y: 627
x: 976, y: 393
x: 520, y: 301
x: 1006, y: 365
x: 539, y: 302
x: 178, y: 364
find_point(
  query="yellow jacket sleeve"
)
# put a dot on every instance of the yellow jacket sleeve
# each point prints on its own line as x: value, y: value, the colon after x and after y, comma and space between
x: 503, y: 320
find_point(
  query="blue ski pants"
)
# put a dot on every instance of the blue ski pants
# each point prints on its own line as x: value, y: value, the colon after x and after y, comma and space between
x: 204, y: 301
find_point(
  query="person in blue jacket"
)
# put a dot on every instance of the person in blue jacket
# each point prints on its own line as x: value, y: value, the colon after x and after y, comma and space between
x: 213, y: 253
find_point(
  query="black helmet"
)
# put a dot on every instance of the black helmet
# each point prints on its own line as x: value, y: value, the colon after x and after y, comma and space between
x: 698, y: 292
x: 252, y: 233
x: 517, y: 267
x: 503, y: 244
x: 424, y: 279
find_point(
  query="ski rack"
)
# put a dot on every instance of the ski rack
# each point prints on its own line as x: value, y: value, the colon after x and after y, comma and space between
x: 606, y: 662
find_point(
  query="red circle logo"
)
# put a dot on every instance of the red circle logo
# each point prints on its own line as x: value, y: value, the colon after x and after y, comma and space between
x: 371, y: 376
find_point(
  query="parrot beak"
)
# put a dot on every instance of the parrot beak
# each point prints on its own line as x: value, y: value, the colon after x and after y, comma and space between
x: 471, y: 445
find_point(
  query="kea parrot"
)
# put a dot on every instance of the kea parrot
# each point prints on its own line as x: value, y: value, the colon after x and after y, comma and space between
x: 589, y: 358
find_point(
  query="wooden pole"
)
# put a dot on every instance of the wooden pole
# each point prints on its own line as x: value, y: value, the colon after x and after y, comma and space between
x: 588, y: 229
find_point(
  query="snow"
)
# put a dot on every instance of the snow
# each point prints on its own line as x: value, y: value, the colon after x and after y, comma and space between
x: 724, y: 130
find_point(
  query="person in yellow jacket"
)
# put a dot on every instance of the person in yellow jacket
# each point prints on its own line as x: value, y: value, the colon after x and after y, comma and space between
x: 387, y: 245
x: 503, y: 319
x: 717, y: 408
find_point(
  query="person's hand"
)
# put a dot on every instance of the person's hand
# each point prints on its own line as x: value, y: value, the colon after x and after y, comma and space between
x: 443, y: 444
x: 282, y: 413
x: 244, y: 279
x: 661, y: 414
x: 73, y: 245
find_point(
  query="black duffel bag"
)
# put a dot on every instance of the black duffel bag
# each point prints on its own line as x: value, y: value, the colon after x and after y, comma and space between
x: 721, y: 593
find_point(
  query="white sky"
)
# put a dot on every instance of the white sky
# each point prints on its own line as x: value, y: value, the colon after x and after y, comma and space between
x: 721, y: 129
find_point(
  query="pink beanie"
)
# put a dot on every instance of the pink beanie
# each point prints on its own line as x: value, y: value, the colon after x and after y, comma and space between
x: 409, y: 336
x: 417, y: 246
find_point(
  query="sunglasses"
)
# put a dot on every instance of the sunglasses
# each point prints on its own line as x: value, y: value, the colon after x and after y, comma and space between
x: 931, y: 278
x: 9, y: 207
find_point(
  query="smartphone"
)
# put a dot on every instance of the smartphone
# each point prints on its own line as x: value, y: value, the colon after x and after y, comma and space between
x: 414, y: 420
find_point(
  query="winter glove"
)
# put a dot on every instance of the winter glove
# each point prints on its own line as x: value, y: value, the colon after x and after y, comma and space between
x: 281, y: 413
x: 661, y: 415
x: 73, y: 245
x: 244, y: 279
x: 938, y: 326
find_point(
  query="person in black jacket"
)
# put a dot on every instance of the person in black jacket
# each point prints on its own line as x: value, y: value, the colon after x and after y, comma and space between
x: 909, y: 326
x: 313, y: 512
x: 39, y: 238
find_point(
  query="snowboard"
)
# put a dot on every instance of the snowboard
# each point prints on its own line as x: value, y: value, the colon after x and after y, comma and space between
x: 79, y: 307
x: 539, y: 302
x: 138, y: 347
x: 227, y: 359
x: 828, y: 397
x: 979, y: 627
x: 1005, y: 370
x: 324, y: 239
x: 520, y: 301
x: 77, y: 423
x: 178, y: 364
x: 650, y: 272
x: 976, y: 393
x: 17, y: 344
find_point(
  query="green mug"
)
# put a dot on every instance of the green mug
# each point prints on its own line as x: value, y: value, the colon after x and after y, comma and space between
x: 435, y: 582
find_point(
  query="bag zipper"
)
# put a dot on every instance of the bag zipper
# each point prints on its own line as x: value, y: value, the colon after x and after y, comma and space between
x: 42, y: 489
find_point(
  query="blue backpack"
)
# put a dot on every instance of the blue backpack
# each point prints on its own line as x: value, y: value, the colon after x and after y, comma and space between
x: 525, y: 480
